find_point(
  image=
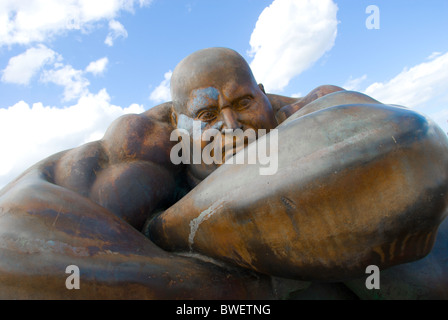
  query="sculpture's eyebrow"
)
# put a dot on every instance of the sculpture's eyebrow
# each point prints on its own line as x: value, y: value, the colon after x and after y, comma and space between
x: 203, y: 98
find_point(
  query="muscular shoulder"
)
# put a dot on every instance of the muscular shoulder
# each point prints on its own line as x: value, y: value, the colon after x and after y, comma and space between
x: 131, y: 138
x: 144, y: 136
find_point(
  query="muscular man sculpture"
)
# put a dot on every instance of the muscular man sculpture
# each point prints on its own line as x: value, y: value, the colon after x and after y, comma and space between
x: 358, y: 183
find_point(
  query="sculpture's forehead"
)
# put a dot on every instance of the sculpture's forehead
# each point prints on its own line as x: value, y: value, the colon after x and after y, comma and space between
x: 204, y: 95
x: 205, y: 77
x: 201, y: 98
x: 212, y: 95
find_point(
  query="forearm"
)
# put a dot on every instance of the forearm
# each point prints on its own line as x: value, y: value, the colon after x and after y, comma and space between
x: 356, y: 185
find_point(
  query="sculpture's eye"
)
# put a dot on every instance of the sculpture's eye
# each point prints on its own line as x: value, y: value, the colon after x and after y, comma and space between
x: 244, y: 103
x: 206, y: 116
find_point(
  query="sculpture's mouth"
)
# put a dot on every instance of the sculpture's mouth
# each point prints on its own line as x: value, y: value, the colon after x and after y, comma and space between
x: 227, y: 151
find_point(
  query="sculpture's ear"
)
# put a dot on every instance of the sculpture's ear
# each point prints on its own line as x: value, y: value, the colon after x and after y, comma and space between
x: 260, y: 85
x: 173, y: 118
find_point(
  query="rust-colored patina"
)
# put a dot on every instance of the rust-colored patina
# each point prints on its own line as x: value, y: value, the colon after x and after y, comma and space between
x: 358, y: 183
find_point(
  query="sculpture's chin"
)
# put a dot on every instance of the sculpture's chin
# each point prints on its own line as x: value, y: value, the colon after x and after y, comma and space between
x: 198, y: 172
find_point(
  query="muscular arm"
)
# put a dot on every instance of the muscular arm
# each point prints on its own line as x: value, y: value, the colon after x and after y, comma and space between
x: 357, y: 184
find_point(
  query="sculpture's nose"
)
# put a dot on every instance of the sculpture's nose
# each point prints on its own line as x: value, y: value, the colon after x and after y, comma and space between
x: 230, y: 119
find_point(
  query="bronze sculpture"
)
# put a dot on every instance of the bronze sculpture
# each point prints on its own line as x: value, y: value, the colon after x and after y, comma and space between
x: 358, y: 183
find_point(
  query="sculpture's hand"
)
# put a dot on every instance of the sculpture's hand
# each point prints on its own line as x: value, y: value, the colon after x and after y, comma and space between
x: 356, y: 185
x: 286, y: 111
x: 426, y: 279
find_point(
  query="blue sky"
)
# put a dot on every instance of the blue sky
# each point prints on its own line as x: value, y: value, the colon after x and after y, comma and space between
x: 69, y: 68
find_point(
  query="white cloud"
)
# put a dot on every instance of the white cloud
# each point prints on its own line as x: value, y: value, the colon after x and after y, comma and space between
x: 415, y: 86
x: 289, y: 36
x: 354, y: 84
x: 25, y: 22
x: 31, y: 133
x: 23, y: 67
x: 423, y: 87
x: 73, y: 80
x: 162, y: 92
x: 116, y: 30
x: 97, y: 67
x: 74, y: 83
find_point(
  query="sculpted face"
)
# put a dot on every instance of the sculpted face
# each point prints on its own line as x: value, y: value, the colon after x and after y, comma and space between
x: 216, y: 87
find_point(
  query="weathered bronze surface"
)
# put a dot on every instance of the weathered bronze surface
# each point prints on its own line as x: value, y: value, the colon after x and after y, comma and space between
x: 358, y: 183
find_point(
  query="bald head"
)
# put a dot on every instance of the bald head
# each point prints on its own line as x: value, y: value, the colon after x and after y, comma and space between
x: 212, y: 67
x: 215, y: 89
